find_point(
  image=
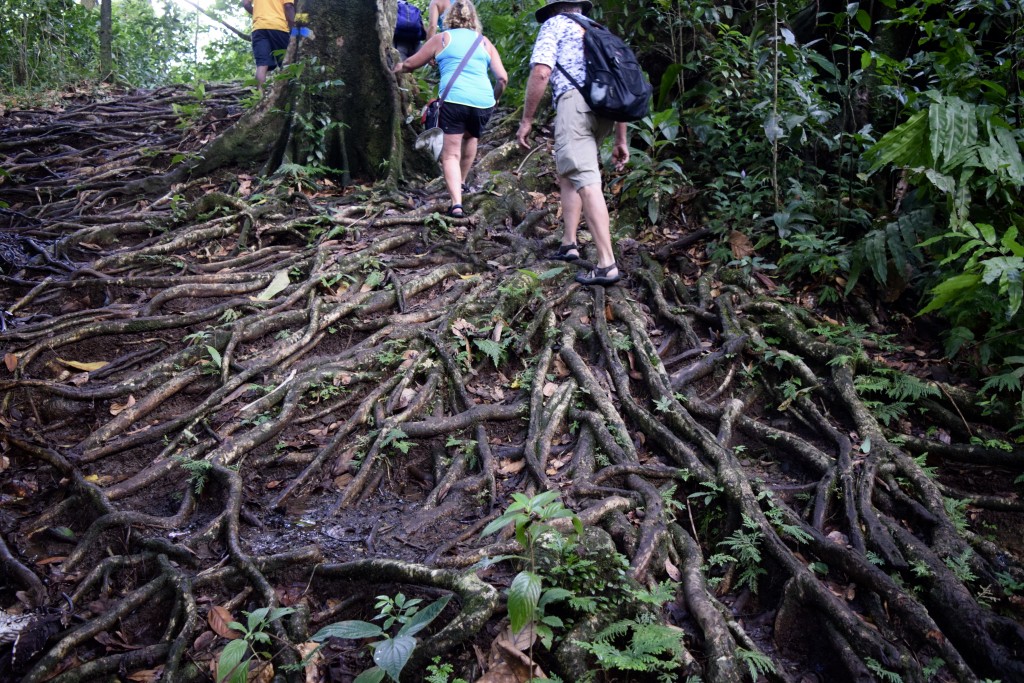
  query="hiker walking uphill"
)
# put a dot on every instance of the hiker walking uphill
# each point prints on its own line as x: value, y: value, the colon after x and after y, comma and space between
x: 273, y: 22
x: 578, y: 135
x: 409, y: 31
x: 464, y: 56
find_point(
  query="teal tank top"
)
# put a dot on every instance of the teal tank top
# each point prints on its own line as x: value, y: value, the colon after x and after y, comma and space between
x: 473, y: 87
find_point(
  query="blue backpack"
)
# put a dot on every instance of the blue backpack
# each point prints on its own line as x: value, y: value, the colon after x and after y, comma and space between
x: 409, y: 25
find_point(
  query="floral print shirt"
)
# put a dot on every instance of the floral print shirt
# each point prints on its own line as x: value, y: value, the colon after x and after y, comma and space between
x: 560, y: 39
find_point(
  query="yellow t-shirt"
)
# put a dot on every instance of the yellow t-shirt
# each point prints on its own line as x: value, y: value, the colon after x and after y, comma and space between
x: 269, y: 14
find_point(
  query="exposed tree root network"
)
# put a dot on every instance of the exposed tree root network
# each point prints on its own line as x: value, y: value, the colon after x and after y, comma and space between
x: 240, y: 394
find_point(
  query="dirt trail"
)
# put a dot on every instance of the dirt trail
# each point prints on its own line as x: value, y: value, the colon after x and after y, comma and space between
x: 254, y: 392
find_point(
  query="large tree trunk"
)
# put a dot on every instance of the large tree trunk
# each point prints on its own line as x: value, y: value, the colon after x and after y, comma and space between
x: 106, y: 40
x: 350, y: 44
x: 296, y: 122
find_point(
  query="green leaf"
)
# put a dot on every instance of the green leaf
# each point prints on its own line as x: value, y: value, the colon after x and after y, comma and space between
x: 348, y: 629
x: 276, y: 286
x: 493, y: 349
x: 422, y: 618
x: 230, y: 666
x: 554, y: 595
x: 392, y: 655
x: 542, y: 499
x: 864, y: 19
x: 905, y: 145
x: 550, y: 273
x: 950, y: 290
x: 523, y: 595
x: 499, y: 523
x: 215, y: 355
x: 372, y: 675
x: 953, y: 125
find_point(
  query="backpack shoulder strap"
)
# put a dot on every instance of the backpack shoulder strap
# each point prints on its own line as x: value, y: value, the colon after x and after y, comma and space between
x: 462, y: 65
x: 585, y: 23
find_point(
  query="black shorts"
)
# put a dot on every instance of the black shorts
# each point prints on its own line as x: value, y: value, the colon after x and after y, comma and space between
x: 458, y: 118
x: 265, y: 42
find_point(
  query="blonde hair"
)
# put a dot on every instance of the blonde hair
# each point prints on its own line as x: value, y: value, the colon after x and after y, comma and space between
x: 462, y: 14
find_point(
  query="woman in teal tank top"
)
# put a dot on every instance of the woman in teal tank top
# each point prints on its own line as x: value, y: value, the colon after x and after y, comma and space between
x: 472, y: 97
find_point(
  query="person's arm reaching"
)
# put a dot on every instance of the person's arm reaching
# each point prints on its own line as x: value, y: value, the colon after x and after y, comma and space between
x: 422, y: 56
x: 535, y: 87
x: 433, y: 12
x: 289, y: 15
x: 620, y: 152
x: 498, y: 69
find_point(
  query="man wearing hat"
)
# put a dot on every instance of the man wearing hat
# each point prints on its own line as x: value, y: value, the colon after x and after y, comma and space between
x: 578, y: 136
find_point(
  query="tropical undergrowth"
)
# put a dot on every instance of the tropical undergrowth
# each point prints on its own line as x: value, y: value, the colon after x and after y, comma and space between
x: 880, y: 158
x: 246, y: 410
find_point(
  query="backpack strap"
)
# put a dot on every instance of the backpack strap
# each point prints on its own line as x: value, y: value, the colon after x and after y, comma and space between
x: 462, y: 65
x: 585, y: 23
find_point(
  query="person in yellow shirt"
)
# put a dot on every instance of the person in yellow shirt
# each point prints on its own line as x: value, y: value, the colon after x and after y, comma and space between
x: 273, y: 24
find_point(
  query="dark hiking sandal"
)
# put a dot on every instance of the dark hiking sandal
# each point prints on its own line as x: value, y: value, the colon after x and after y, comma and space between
x: 564, y: 253
x: 456, y: 211
x: 600, y: 276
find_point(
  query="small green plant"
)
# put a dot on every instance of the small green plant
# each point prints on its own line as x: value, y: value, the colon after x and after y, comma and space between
x: 439, y: 673
x: 883, y: 674
x: 743, y: 546
x: 466, y: 446
x: 957, y: 512
x: 198, y: 471
x: 1009, y: 584
x: 397, y: 438
x: 390, y: 653
x: 639, y: 645
x: 756, y: 662
x: 526, y: 598
x: 961, y: 566
x: 233, y: 663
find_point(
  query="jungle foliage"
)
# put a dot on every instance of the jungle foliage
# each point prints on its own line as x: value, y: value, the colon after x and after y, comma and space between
x: 52, y: 44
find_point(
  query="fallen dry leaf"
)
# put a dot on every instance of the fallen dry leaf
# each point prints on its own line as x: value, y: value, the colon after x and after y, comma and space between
x: 86, y: 366
x: 11, y: 361
x: 508, y: 662
x: 672, y: 571
x: 511, y: 466
x: 118, y: 408
x: 408, y: 394
x: 740, y: 244
x: 310, y: 653
x: 146, y: 675
x: 549, y: 389
x: 204, y: 640
x: 218, y: 619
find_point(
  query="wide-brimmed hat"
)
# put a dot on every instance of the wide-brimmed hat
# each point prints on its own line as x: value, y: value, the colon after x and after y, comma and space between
x: 545, y: 12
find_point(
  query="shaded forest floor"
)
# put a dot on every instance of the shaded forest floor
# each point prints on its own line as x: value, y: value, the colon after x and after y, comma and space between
x: 249, y: 392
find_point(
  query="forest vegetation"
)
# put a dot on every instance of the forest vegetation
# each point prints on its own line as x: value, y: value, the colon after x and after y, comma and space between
x: 267, y: 413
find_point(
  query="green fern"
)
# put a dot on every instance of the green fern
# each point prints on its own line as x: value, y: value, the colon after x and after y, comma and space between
x: 895, y: 245
x: 757, y: 663
x: 881, y: 672
x: 628, y: 645
x: 744, y: 546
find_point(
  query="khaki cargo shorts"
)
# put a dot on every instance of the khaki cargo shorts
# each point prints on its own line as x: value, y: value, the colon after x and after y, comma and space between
x: 578, y: 136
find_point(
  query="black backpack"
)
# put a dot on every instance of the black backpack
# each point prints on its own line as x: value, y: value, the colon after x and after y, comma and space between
x: 615, y: 86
